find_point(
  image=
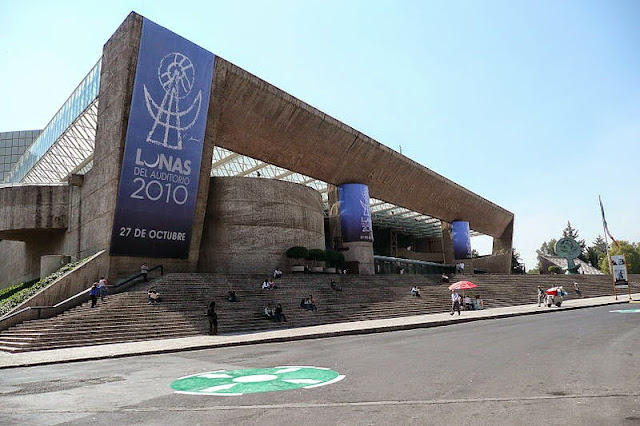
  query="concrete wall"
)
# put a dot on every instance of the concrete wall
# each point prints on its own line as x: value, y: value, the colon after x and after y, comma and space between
x: 251, y: 222
x: 493, y: 264
x: 20, y: 260
x: 15, y: 266
x: 51, y: 263
x: 27, y: 210
x: 100, y: 188
x: 361, y: 252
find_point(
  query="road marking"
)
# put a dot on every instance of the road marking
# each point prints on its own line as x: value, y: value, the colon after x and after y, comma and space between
x: 255, y: 380
x: 626, y: 311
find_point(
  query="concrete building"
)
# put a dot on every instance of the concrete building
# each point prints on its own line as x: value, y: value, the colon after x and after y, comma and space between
x: 168, y: 154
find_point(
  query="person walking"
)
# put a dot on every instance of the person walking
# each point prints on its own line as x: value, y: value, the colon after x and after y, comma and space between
x: 93, y: 294
x: 212, y: 316
x: 541, y: 295
x: 144, y: 270
x: 102, y: 288
x: 455, y: 302
x: 577, y: 289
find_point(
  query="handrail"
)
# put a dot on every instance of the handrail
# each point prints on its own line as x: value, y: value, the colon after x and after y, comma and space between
x: 40, y: 312
x: 133, y: 278
x: 39, y: 309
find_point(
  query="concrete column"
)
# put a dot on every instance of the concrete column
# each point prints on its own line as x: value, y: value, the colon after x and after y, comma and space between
x: 502, y: 248
x: 335, y: 233
x: 447, y: 243
x: 361, y: 252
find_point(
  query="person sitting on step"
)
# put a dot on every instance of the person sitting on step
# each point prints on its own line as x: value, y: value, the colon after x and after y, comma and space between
x: 277, y: 273
x: 478, y: 304
x: 268, y: 312
x: 310, y: 304
x: 334, y: 286
x: 232, y: 297
x: 468, y: 306
x: 415, y: 291
x: 279, y: 315
x: 153, y: 296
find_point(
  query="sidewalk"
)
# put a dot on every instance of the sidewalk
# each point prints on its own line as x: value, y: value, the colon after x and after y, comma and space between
x: 12, y: 360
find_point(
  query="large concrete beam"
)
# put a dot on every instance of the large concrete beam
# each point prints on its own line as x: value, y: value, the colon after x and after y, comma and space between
x: 27, y: 211
x: 256, y: 119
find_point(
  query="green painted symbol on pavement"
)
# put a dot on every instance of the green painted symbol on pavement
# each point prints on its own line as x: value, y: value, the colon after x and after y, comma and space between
x: 626, y: 311
x: 255, y: 380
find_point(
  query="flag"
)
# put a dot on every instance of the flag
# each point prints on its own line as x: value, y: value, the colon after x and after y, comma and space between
x: 604, y: 224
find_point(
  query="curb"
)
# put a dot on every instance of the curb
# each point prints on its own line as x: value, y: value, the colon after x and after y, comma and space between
x: 250, y: 340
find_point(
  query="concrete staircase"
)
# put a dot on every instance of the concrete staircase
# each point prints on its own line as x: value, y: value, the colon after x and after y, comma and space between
x: 128, y: 317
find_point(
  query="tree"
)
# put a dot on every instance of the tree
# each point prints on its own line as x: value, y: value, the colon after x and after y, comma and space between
x: 516, y: 263
x: 549, y: 247
x: 596, y: 252
x: 631, y: 253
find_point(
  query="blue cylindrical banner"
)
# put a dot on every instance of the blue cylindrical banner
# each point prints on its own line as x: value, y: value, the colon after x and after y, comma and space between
x: 355, y: 212
x: 461, y: 239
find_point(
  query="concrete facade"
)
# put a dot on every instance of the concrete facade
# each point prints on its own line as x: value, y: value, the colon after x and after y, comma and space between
x: 251, y: 222
x: 28, y: 211
x: 250, y: 117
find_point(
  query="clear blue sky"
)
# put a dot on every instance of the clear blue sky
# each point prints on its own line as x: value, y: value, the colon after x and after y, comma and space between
x: 532, y: 105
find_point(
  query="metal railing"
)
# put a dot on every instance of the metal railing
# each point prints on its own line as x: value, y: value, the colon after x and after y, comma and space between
x: 42, y: 312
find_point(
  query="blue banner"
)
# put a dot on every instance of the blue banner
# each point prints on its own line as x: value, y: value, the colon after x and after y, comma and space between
x: 461, y: 237
x: 355, y: 212
x: 163, y: 148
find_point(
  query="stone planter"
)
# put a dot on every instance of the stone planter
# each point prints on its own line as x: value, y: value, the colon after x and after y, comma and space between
x: 297, y: 268
x: 330, y: 270
x: 317, y: 269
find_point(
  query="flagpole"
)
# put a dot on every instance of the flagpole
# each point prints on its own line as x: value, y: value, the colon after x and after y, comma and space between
x: 606, y: 245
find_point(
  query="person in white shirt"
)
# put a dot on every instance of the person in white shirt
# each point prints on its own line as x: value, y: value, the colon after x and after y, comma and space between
x: 467, y: 303
x: 102, y: 288
x: 455, y: 302
x: 415, y: 291
x: 268, y: 312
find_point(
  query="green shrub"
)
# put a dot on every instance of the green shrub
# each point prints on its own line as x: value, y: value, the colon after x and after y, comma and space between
x: 9, y: 291
x: 334, y: 258
x: 554, y: 269
x: 316, y: 254
x: 298, y: 252
x: 8, y: 304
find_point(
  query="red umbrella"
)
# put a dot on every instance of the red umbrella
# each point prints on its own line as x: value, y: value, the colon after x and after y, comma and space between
x: 462, y: 285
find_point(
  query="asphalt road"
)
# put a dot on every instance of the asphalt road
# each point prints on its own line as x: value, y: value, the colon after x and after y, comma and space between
x: 578, y: 367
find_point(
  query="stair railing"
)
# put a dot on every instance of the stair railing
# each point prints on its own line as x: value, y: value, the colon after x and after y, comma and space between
x: 41, y: 312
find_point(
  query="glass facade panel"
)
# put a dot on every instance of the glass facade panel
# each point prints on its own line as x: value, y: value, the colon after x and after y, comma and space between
x: 86, y: 92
